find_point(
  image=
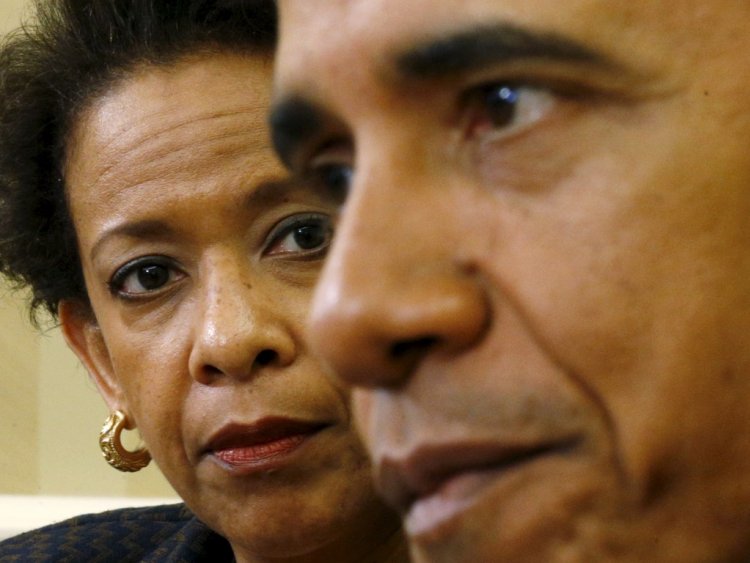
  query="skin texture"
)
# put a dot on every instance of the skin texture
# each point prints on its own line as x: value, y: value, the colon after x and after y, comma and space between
x: 174, y: 162
x: 566, y: 284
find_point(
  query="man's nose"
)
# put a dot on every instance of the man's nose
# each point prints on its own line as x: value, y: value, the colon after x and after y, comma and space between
x: 394, y: 289
x: 240, y: 329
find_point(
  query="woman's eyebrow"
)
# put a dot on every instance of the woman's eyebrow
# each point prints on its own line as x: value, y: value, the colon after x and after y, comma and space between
x: 264, y: 193
x: 270, y: 192
x: 145, y: 229
x: 466, y: 50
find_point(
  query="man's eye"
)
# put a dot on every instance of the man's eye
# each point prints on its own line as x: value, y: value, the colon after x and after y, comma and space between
x: 307, y: 235
x: 502, y: 103
x: 143, y: 276
x: 505, y: 108
x: 336, y: 180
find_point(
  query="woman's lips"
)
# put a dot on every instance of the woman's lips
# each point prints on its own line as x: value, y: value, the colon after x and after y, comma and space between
x: 253, y: 455
x: 262, y: 445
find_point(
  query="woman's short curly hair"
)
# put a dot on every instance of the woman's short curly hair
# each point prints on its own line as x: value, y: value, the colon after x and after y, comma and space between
x: 71, y: 52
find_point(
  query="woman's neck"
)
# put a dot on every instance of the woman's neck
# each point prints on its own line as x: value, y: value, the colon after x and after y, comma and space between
x: 392, y: 548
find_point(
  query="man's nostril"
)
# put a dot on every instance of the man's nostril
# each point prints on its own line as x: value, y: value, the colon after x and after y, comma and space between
x: 410, y: 348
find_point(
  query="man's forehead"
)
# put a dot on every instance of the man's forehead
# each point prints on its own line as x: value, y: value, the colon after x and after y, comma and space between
x: 330, y: 48
x: 371, y: 29
x: 342, y: 58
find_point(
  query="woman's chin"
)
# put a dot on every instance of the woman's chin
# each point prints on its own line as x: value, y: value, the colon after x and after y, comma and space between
x: 260, y: 524
x: 327, y: 504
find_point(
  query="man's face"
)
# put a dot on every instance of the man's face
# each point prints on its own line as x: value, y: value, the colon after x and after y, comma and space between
x: 540, y: 283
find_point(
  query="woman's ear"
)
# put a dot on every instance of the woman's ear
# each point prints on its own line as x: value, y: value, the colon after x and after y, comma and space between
x: 84, y: 337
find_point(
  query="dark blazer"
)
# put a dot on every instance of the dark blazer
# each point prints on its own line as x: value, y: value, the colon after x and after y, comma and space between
x: 167, y: 533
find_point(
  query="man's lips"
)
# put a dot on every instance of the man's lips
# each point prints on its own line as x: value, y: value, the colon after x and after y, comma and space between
x: 433, y: 483
x: 261, y: 443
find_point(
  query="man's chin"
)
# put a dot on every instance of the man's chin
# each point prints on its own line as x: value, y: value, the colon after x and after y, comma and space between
x: 546, y: 515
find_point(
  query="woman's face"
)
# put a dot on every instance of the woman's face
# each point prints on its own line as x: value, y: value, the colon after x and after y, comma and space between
x: 199, y: 260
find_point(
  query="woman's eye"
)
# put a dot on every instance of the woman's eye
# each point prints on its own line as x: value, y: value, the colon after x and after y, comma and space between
x: 307, y: 235
x: 143, y: 276
x: 506, y: 108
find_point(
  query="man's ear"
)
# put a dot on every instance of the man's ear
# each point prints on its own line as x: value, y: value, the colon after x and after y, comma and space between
x: 84, y: 337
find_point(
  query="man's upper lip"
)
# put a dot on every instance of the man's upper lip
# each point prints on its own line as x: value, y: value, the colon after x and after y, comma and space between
x: 264, y: 430
x: 422, y: 471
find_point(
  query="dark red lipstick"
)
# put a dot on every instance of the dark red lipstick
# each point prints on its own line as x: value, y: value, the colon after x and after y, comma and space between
x: 262, y: 445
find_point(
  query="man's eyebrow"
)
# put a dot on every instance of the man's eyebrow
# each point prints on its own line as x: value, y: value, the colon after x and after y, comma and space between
x: 293, y: 122
x: 475, y: 48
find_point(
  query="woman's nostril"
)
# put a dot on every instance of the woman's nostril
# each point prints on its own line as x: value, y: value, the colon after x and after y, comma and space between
x: 266, y: 357
x: 212, y: 371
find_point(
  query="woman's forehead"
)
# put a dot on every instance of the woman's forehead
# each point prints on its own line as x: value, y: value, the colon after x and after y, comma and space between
x: 166, y: 121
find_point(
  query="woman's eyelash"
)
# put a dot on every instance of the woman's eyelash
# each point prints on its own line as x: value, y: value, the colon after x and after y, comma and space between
x: 310, y: 232
x: 119, y: 279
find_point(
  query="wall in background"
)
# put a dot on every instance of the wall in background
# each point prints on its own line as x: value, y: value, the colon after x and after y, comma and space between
x: 50, y: 412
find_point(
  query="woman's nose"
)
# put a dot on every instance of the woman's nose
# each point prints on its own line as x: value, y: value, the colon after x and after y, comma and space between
x: 240, y: 329
x: 393, y: 291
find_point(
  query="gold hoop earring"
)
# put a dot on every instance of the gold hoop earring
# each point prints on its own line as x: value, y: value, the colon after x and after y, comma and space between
x: 113, y: 450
